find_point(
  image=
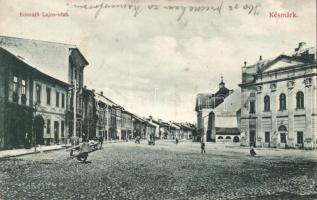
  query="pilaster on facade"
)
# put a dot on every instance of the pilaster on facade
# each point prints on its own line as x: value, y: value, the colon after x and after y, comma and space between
x: 288, y: 121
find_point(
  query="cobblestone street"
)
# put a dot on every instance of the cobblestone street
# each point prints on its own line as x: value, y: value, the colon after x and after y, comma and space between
x: 164, y: 171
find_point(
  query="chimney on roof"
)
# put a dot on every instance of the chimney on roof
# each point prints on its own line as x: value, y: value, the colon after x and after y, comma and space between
x: 151, y: 118
x: 101, y: 93
x: 93, y: 90
x: 85, y: 87
x: 245, y: 63
x: 260, y: 58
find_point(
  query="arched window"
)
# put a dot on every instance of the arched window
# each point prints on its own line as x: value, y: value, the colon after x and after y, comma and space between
x: 266, y: 103
x: 282, y: 101
x: 228, y: 138
x: 220, y: 138
x: 236, y: 139
x: 300, y: 100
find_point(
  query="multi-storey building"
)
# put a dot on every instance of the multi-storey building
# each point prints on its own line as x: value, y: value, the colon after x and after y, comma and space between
x: 50, y: 107
x: 104, y: 108
x: 278, y: 105
x: 62, y: 63
x: 33, y: 105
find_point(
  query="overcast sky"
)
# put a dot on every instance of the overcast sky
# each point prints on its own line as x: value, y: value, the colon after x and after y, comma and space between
x: 157, y: 62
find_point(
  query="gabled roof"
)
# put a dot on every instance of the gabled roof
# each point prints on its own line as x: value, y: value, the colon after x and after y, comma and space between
x: 105, y: 100
x: 281, y: 62
x: 231, y: 104
x: 47, y: 57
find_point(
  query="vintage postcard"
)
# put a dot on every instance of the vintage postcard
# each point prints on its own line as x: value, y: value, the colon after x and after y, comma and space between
x: 158, y: 99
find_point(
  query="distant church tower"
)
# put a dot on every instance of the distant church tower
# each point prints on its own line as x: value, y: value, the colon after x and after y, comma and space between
x: 223, y: 91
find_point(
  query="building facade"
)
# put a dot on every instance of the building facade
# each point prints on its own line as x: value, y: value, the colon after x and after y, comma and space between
x: 57, y: 66
x: 278, y: 101
x: 126, y: 125
x: 205, y: 103
x: 50, y: 108
x: 226, y: 119
x: 16, y: 102
x: 33, y: 104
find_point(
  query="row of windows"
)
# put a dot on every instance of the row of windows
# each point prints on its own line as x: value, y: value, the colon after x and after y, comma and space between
x: 56, y: 127
x: 38, y: 91
x: 300, y: 137
x: 282, y: 102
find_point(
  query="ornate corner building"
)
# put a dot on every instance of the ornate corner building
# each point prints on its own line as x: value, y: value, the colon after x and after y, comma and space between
x: 278, y: 101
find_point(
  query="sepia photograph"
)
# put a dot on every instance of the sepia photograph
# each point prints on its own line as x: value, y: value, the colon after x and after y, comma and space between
x: 158, y: 99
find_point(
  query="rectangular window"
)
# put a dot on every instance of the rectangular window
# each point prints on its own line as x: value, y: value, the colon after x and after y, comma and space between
x: 57, y: 99
x: 267, y: 137
x: 63, y: 100
x: 300, y: 138
x: 23, y: 89
x: 38, y: 93
x: 252, y: 106
x: 15, y: 83
x: 48, y: 96
x: 48, y: 126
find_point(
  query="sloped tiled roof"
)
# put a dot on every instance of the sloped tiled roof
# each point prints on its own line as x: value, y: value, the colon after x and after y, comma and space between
x: 232, y: 103
x: 105, y: 100
x: 47, y: 57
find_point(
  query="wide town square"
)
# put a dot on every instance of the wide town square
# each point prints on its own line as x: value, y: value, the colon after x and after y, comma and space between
x: 159, y: 99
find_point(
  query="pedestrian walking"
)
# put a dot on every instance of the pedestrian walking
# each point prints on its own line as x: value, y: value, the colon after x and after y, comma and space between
x: 202, y: 146
x: 176, y: 141
x: 100, y: 141
x: 252, y: 152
